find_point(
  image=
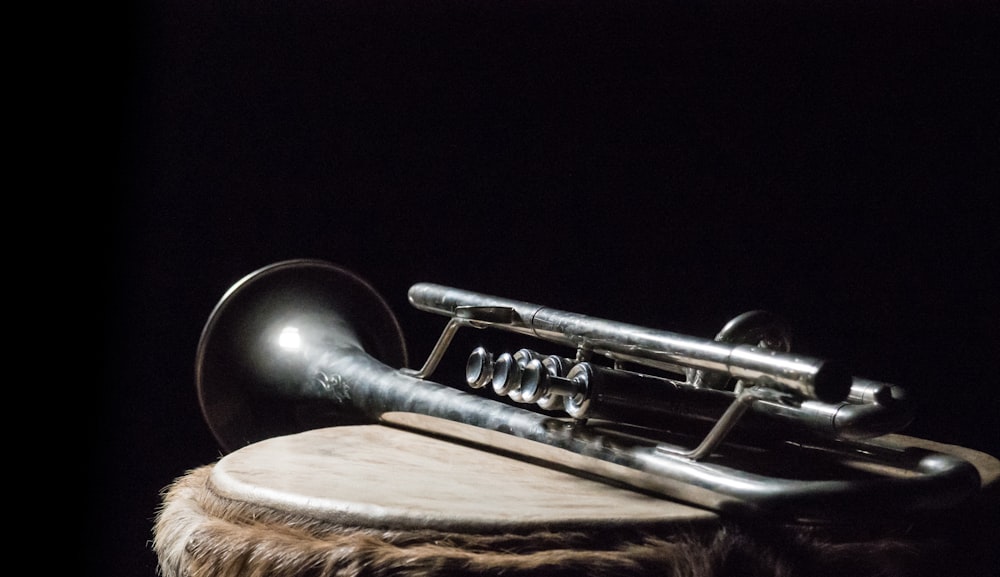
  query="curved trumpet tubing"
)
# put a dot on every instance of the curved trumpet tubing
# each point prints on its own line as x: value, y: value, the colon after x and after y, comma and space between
x: 305, y: 344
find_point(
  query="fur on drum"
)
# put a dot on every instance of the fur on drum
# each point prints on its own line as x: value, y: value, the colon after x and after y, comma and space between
x: 200, y: 534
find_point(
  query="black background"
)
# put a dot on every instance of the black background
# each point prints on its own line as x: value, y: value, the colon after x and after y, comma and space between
x: 669, y: 164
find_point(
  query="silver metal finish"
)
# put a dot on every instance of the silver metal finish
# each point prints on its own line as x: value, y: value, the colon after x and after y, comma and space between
x: 304, y: 344
x: 479, y: 368
x: 753, y: 348
x: 808, y: 377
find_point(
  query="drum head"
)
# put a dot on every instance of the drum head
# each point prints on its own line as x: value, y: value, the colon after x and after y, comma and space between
x: 378, y: 476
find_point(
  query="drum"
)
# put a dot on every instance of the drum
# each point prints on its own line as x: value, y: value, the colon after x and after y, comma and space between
x: 372, y: 500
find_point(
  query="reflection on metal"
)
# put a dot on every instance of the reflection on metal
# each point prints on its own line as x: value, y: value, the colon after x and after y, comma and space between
x: 646, y: 408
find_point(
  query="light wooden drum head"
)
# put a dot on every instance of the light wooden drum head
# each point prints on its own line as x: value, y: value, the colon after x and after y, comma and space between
x: 376, y: 476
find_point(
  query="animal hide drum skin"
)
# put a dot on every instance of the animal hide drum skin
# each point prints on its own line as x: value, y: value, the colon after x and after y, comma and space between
x: 200, y: 534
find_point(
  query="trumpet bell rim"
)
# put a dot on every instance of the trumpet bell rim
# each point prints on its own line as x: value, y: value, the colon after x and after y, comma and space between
x: 238, y: 408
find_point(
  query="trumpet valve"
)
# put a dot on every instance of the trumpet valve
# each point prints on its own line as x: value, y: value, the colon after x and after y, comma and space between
x: 540, y: 381
x: 506, y: 375
x: 479, y: 368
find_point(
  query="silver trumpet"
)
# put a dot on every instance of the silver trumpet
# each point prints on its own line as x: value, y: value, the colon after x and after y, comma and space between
x: 737, y: 424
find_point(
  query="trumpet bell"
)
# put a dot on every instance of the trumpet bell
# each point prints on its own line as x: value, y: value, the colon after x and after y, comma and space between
x: 252, y: 370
